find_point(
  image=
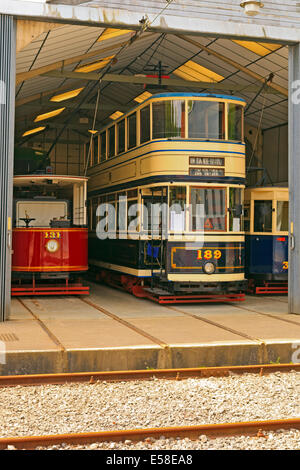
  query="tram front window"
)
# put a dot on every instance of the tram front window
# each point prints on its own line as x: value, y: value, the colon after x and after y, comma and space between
x: 262, y: 216
x: 168, y: 119
x: 208, y: 212
x: 282, y: 216
x: 206, y: 120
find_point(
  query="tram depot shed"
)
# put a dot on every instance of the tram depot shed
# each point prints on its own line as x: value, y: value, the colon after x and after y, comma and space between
x: 50, y: 47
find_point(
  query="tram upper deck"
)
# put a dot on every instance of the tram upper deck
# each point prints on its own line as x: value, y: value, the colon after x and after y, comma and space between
x: 171, y: 137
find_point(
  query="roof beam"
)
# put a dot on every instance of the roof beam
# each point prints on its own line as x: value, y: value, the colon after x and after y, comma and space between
x: 167, y: 22
x: 87, y: 106
x: 140, y: 79
x: 23, y: 76
x: 236, y: 65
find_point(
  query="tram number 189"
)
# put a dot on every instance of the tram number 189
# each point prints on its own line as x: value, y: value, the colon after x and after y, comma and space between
x: 209, y: 254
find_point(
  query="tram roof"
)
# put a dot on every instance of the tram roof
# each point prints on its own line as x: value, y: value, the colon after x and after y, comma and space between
x: 30, y: 180
x: 200, y: 95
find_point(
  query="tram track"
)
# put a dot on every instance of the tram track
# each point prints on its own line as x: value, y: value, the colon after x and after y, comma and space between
x: 252, y: 428
x: 127, y: 375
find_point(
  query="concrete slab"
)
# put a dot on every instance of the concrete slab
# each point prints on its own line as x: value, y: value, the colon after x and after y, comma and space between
x: 65, y: 334
x: 25, y: 335
x: 185, y: 330
x: 18, y: 311
x: 58, y: 307
x: 100, y: 333
x: 126, y: 305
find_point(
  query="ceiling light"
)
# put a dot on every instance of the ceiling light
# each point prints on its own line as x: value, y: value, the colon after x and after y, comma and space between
x: 252, y: 8
x: 116, y: 115
x: 197, y: 73
x: 34, y: 131
x: 92, y: 131
x: 94, y: 65
x: 109, y: 33
x: 42, y: 117
x: 258, y: 48
x: 66, y: 96
x: 143, y: 97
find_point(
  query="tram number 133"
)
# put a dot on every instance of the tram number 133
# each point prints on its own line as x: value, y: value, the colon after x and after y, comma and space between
x: 52, y: 235
x: 209, y: 254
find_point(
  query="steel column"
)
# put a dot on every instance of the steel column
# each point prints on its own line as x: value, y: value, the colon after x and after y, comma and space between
x: 294, y: 179
x: 7, y: 113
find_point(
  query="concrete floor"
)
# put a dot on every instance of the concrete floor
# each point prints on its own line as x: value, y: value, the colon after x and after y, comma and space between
x: 121, y: 332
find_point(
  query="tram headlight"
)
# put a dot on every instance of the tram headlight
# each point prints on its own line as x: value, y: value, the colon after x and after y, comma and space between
x: 209, y: 268
x: 52, y: 246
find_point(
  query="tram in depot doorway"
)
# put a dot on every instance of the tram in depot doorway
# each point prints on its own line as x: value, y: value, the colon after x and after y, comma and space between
x: 50, y: 235
x: 166, y: 190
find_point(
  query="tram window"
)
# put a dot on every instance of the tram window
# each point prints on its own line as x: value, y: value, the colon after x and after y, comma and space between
x: 282, y: 216
x: 235, y: 210
x: 121, y: 136
x: 96, y: 150
x: 131, y: 131
x: 111, y: 142
x: 177, y: 202
x: 145, y: 124
x: 132, y: 212
x: 168, y: 119
x: 208, y: 209
x: 206, y: 120
x: 94, y: 209
x: 235, y: 122
x: 103, y: 146
x: 121, y: 212
x: 247, y: 217
x: 262, y: 216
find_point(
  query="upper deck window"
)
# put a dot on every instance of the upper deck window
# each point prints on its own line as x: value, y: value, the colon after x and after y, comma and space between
x: 145, y: 124
x: 103, y: 146
x: 111, y: 142
x: 96, y: 150
x: 121, y: 136
x: 206, y: 120
x: 131, y: 131
x: 168, y: 119
x: 235, y: 122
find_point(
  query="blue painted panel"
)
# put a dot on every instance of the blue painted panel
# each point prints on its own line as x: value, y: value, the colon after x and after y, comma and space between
x: 266, y: 254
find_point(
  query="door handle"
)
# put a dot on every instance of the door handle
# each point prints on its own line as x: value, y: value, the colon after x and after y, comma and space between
x: 292, y: 242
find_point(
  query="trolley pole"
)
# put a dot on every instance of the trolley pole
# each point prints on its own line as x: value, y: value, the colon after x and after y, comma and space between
x: 7, y: 123
x: 294, y: 179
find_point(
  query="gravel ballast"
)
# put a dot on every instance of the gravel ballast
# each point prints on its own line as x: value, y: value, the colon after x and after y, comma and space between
x: 73, y: 408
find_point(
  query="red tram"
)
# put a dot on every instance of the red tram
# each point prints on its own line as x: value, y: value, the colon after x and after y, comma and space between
x: 50, y: 235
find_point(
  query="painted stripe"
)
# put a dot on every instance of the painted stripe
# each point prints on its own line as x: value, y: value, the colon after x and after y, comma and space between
x: 159, y: 151
x: 167, y: 179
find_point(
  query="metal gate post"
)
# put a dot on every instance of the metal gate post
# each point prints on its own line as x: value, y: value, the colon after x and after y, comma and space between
x: 294, y: 179
x: 7, y: 123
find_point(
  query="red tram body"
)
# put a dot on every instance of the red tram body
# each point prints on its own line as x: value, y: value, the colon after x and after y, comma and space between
x: 50, y: 243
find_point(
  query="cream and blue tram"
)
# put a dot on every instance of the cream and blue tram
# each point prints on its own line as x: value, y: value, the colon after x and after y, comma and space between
x: 266, y: 229
x: 182, y: 153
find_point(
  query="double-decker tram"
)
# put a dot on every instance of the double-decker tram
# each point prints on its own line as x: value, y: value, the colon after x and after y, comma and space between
x: 266, y: 227
x: 50, y: 235
x: 166, y: 189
